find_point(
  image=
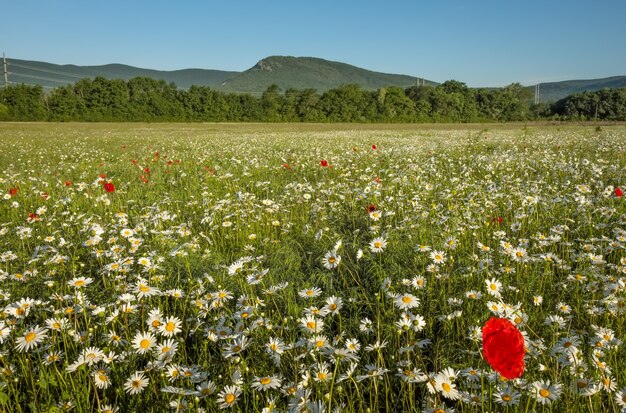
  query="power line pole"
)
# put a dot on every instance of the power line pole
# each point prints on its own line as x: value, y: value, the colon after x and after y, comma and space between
x: 6, y: 72
x: 537, y: 94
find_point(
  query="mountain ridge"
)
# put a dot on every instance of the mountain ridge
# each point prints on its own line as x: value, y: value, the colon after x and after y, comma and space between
x: 284, y: 71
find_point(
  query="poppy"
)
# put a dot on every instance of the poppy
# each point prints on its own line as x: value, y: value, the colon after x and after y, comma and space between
x: 109, y: 187
x: 324, y: 162
x: 68, y: 183
x: 503, y: 347
x: 102, y: 176
x: 371, y: 208
x: 374, y: 147
x: 618, y: 192
x: 13, y: 191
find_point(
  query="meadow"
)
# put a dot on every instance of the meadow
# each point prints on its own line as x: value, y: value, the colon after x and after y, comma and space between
x: 310, y: 268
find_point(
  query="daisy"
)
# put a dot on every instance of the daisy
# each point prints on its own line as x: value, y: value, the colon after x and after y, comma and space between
x: 107, y: 408
x: 311, y: 324
x: 378, y: 244
x: 446, y: 387
x: 438, y: 257
x: 228, y: 397
x: 170, y: 327
x: 507, y: 396
x: 544, y: 392
x: 136, y: 383
x: 310, y: 292
x: 78, y: 282
x: 406, y: 301
x: 331, y: 260
x: 493, y: 287
x: 144, y: 342
x: 31, y: 338
x: 334, y: 304
x: 206, y: 388
x: 620, y: 398
x: 101, y: 379
x: 266, y: 383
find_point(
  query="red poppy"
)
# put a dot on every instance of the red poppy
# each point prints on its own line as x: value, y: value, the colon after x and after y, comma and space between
x: 371, y: 208
x: 68, y: 183
x: 13, y: 191
x: 44, y: 195
x: 503, y: 347
x: 497, y: 220
x: 144, y: 179
x: 618, y: 192
x: 33, y: 217
x: 146, y: 170
x: 109, y: 187
x: 374, y: 147
x: 286, y: 166
x: 102, y: 176
x: 324, y: 162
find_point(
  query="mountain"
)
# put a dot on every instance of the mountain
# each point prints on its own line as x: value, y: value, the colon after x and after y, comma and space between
x: 310, y: 72
x: 553, y: 91
x: 50, y: 75
x: 284, y: 71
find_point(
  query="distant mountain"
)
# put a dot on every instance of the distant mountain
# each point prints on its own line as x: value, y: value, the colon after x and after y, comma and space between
x: 310, y: 72
x: 553, y: 91
x: 50, y: 75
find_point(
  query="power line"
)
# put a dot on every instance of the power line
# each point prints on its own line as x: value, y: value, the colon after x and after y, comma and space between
x: 54, y: 72
x: 40, y: 77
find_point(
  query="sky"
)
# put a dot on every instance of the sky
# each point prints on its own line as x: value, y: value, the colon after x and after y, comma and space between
x: 480, y: 43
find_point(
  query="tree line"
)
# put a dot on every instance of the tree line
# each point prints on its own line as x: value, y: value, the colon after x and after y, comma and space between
x: 147, y: 100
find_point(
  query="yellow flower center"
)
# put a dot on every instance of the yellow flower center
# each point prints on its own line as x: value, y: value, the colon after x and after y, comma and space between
x: 310, y: 325
x: 144, y: 288
x: 310, y: 292
x: 544, y: 392
x: 265, y: 381
x: 319, y: 343
x: 30, y: 336
x: 581, y: 384
x: 79, y: 283
x: 170, y: 326
x: 229, y: 398
x: 136, y: 384
x: 446, y: 387
x: 222, y: 295
x: 406, y: 299
x: 493, y: 286
x: 332, y: 307
x: 377, y: 244
x: 321, y: 375
x: 506, y: 398
x: 331, y: 260
x: 145, y: 343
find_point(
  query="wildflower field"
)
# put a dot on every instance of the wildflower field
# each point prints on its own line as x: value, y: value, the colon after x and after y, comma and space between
x: 308, y: 268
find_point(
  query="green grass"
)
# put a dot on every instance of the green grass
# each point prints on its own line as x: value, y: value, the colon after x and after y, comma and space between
x: 228, y: 226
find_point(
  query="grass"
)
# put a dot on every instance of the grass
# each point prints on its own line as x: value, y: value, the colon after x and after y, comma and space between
x: 264, y: 260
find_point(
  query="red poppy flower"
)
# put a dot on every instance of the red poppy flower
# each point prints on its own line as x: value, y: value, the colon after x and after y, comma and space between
x: 324, y: 162
x: 13, y: 191
x: 286, y: 166
x: 371, y: 208
x: 102, y: 176
x: 503, y: 347
x: 109, y: 187
x: 618, y: 192
x: 374, y: 147
x: 68, y: 183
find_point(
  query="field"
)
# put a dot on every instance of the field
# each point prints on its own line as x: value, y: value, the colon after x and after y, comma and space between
x: 149, y: 267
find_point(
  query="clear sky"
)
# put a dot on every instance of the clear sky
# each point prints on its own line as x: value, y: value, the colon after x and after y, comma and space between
x: 481, y: 43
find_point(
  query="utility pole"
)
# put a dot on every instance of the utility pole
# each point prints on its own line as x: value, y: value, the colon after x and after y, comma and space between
x: 6, y: 72
x: 537, y: 94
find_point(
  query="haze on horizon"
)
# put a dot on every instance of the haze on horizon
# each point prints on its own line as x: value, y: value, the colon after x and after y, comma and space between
x: 486, y: 43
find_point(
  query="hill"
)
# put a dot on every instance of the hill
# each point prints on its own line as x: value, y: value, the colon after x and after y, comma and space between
x: 310, y: 73
x: 50, y: 75
x: 553, y: 91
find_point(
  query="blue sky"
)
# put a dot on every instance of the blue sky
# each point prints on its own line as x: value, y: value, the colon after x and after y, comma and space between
x: 481, y: 43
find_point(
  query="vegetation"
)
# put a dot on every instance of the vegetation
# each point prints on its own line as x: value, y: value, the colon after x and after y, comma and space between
x: 310, y: 268
x: 145, y: 99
